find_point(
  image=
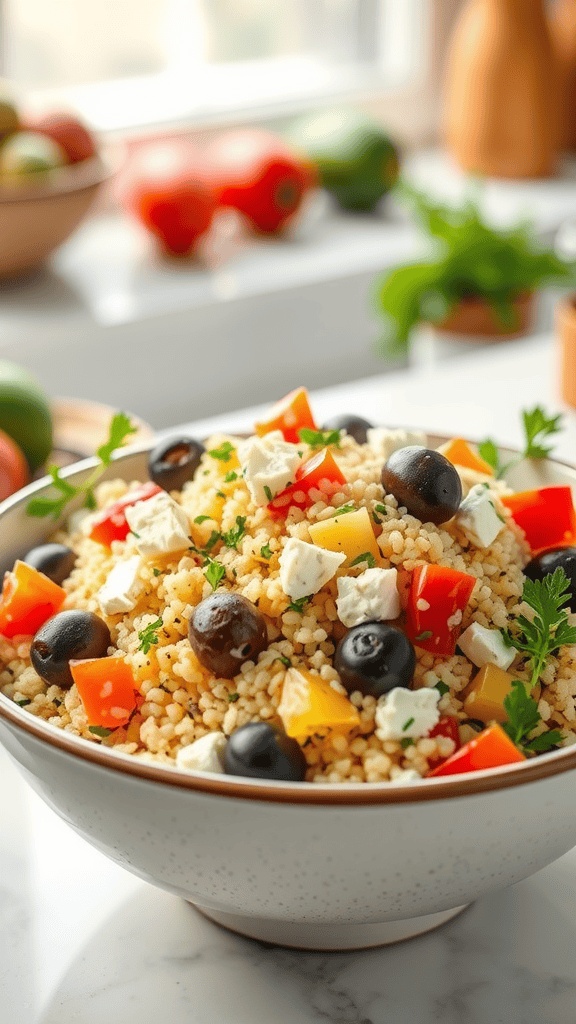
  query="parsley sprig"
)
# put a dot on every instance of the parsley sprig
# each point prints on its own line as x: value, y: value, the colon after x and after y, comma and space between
x: 549, y: 628
x: 299, y: 604
x: 320, y: 438
x: 538, y: 426
x: 233, y: 536
x: 149, y: 635
x: 223, y: 453
x: 214, y: 571
x: 120, y: 429
x: 523, y: 717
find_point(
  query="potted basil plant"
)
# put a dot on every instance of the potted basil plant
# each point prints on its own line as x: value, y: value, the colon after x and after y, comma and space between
x: 477, y: 280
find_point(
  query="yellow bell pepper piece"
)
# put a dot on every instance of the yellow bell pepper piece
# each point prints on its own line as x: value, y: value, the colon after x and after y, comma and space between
x: 460, y: 453
x: 309, y: 705
x: 484, y: 696
x: 351, y: 533
x: 212, y: 507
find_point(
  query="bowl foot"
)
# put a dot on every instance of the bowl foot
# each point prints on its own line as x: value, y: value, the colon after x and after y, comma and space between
x: 329, y: 937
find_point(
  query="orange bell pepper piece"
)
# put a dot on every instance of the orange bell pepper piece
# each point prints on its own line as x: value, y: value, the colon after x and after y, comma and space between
x: 28, y: 599
x: 490, y: 749
x: 289, y: 415
x: 547, y: 516
x: 460, y: 453
x: 107, y: 690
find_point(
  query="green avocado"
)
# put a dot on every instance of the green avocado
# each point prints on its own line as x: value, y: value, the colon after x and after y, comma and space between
x: 25, y: 413
x: 357, y: 161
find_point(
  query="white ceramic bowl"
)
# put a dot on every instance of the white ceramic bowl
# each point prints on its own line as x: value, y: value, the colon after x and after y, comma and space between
x: 315, y: 866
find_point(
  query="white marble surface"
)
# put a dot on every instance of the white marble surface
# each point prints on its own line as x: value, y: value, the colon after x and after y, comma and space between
x: 83, y: 942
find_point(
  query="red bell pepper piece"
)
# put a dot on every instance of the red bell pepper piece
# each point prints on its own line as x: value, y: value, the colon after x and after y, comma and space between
x: 28, y: 599
x: 547, y: 516
x: 490, y: 749
x: 320, y: 473
x: 447, y: 726
x: 438, y: 597
x: 111, y: 523
x: 107, y: 690
x: 289, y: 415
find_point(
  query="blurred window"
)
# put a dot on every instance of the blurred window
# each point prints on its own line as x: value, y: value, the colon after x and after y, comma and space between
x: 134, y: 63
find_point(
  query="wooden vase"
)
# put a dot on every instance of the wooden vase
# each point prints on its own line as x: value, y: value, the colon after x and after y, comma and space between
x: 563, y: 28
x: 502, y: 108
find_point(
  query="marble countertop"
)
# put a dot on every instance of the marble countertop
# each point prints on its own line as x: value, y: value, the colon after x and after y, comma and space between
x: 83, y: 942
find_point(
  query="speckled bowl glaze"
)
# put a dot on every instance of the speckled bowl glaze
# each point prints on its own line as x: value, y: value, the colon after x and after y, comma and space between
x: 312, y: 866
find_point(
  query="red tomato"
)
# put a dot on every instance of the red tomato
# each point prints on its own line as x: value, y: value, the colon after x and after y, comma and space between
x: 438, y: 597
x: 320, y: 473
x: 166, y: 187
x: 289, y: 415
x: 260, y: 175
x: 28, y: 599
x: 14, y: 469
x: 111, y: 524
x: 490, y: 749
x: 447, y: 726
x: 68, y: 132
x: 547, y: 516
x: 106, y: 687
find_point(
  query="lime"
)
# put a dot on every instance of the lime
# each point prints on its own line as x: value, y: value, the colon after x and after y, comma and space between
x: 357, y: 161
x: 25, y: 413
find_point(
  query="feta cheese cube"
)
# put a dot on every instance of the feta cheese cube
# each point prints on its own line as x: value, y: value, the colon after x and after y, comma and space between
x: 122, y: 588
x: 486, y: 647
x: 402, y: 713
x: 305, y: 568
x: 372, y: 595
x: 385, y: 441
x: 204, y: 755
x: 160, y: 525
x: 269, y: 464
x: 477, y: 517
x: 405, y: 776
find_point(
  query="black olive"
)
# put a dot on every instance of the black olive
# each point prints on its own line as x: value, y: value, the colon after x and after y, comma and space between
x: 68, y: 635
x: 353, y: 425
x: 56, y: 561
x: 225, y: 630
x: 374, y: 658
x: 174, y: 461
x: 260, y: 750
x: 547, y: 561
x: 425, y: 482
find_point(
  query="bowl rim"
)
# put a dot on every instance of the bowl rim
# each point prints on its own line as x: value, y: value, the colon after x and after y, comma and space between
x: 65, y: 180
x: 340, y: 794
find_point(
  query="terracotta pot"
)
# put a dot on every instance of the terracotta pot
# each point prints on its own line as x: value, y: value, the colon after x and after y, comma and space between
x: 502, y: 106
x: 474, y: 316
x: 566, y: 331
x: 563, y: 28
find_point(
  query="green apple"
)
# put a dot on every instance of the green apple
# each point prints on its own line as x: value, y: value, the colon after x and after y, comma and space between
x: 25, y: 413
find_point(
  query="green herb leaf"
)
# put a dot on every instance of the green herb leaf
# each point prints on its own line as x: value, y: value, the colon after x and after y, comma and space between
x: 23, y: 703
x: 538, y: 426
x: 149, y: 635
x: 214, y: 572
x: 201, y: 519
x: 99, y: 730
x: 406, y: 742
x: 550, y: 627
x: 425, y: 635
x: 320, y: 438
x: 233, y: 697
x: 299, y: 605
x: 408, y: 724
x: 120, y: 428
x: 230, y: 476
x: 545, y: 741
x: 441, y: 687
x: 223, y: 453
x: 266, y: 551
x: 344, y: 510
x: 522, y: 712
x: 233, y: 536
x: 489, y: 452
x: 366, y: 556
x: 379, y: 510
x: 220, y: 494
x: 268, y: 492
x: 285, y: 661
x: 156, y: 571
x: 213, y: 539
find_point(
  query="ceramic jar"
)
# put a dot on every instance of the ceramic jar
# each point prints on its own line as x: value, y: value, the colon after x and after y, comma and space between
x: 566, y: 331
x: 563, y: 27
x: 501, y: 106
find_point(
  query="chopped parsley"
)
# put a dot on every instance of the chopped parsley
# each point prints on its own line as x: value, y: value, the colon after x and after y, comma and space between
x: 156, y: 571
x: 425, y: 635
x: 549, y: 628
x: 441, y: 687
x: 201, y: 519
x: 149, y: 635
x: 408, y: 724
x: 320, y: 438
x: 406, y: 742
x: 22, y: 703
x: 538, y: 427
x: 215, y: 572
x: 266, y: 551
x: 344, y: 510
x: 285, y: 661
x: 213, y: 539
x: 233, y: 697
x: 233, y: 536
x: 267, y: 492
x: 366, y: 556
x: 119, y: 430
x: 223, y: 453
x: 230, y: 476
x: 299, y: 605
x: 523, y: 717
x: 220, y: 494
x: 99, y: 730
x: 379, y: 510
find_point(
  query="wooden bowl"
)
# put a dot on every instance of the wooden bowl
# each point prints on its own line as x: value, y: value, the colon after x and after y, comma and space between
x: 36, y: 218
